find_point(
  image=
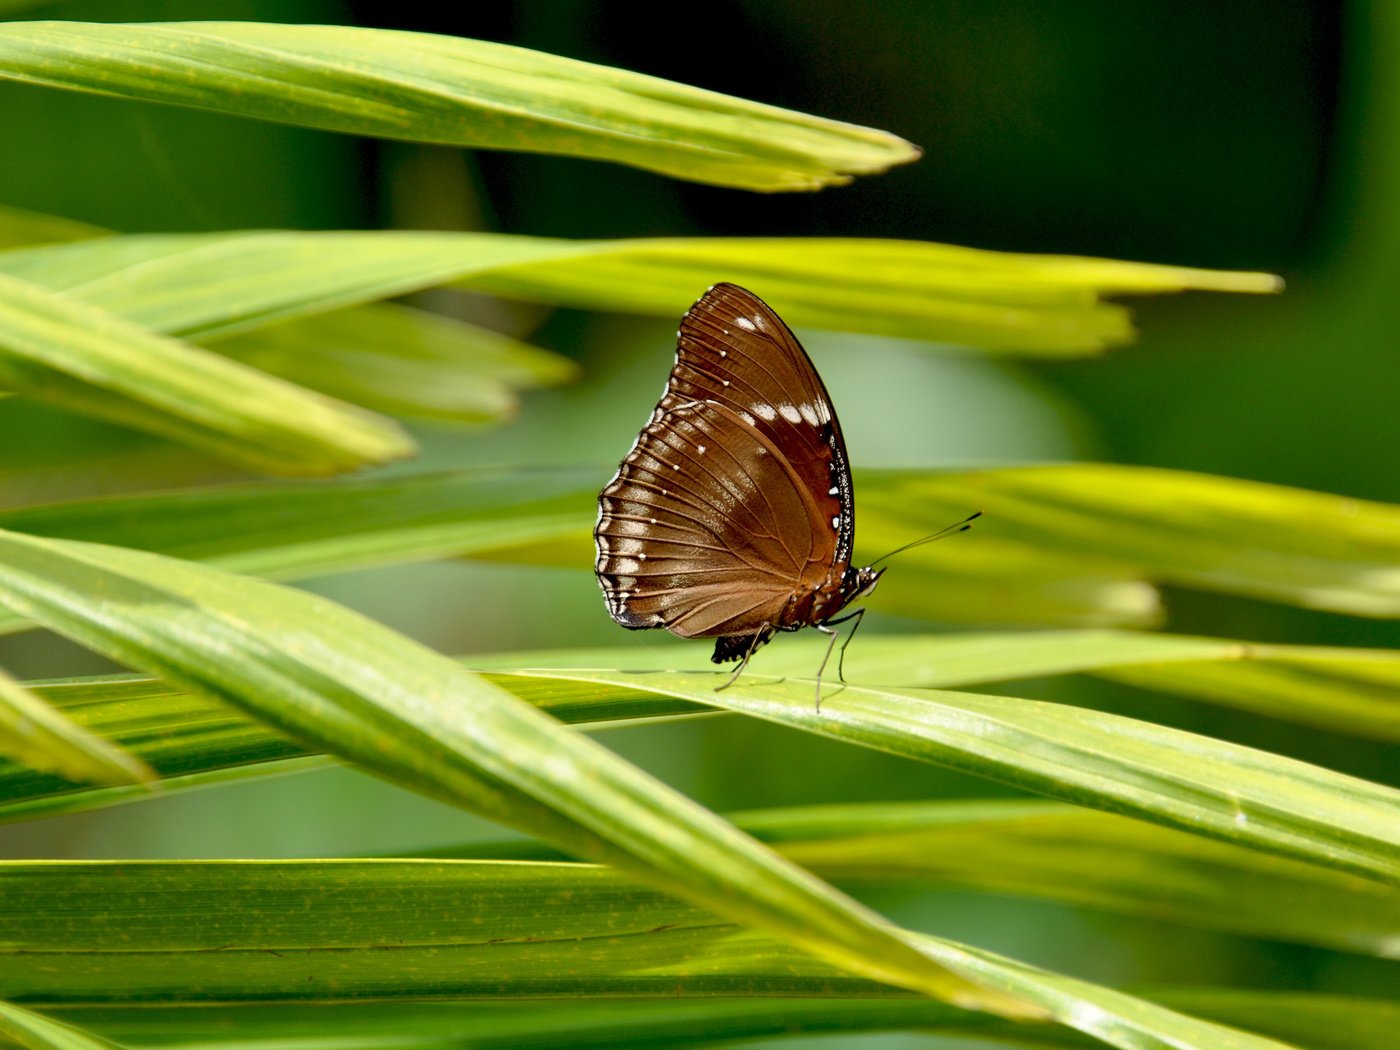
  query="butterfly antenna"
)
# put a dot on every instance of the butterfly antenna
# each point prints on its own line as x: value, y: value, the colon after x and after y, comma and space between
x: 943, y: 533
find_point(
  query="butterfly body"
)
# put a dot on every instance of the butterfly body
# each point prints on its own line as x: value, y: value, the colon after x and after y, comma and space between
x: 732, y: 517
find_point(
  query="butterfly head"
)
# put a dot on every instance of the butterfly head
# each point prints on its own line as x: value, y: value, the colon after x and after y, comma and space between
x: 859, y: 582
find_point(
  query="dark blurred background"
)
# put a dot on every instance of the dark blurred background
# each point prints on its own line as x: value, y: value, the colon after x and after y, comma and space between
x: 1255, y: 135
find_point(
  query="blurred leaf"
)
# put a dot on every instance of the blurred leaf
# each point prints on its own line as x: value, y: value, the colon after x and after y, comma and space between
x: 1353, y: 691
x: 202, y: 285
x: 67, y: 352
x: 292, y: 530
x: 341, y: 683
x: 1049, y: 851
x: 1052, y: 550
x: 36, y: 735
x: 345, y: 930
x: 1103, y: 761
x: 1219, y: 534
x: 20, y: 228
x: 31, y: 1031
x: 1039, y: 304
x: 421, y: 87
x: 1096, y: 860
x: 1321, y: 1022
x: 402, y: 361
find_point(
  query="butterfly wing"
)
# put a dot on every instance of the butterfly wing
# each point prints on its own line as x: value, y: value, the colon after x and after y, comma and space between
x: 732, y: 349
x: 707, y: 529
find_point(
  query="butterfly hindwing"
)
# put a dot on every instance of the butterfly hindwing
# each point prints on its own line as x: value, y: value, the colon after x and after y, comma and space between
x: 706, y: 530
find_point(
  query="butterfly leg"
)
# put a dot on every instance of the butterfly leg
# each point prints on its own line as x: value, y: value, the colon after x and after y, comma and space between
x: 832, y: 633
x: 754, y: 643
x: 857, y: 616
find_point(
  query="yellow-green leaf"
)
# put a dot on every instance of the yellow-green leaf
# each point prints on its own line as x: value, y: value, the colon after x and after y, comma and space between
x: 59, y: 349
x: 426, y: 88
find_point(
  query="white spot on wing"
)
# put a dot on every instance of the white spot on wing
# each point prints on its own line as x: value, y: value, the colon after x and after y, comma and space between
x: 765, y: 411
x: 809, y: 414
x: 746, y: 417
x: 745, y: 324
x: 836, y: 522
x: 700, y: 449
x: 833, y: 491
x: 790, y: 413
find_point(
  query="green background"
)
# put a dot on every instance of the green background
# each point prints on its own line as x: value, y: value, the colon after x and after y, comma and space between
x: 1249, y: 135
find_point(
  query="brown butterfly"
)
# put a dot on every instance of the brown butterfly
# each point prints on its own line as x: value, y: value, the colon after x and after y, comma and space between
x: 733, y: 516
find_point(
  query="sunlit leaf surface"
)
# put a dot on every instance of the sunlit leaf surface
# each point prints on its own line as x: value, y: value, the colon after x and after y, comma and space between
x: 427, y: 88
x: 337, y: 931
x: 73, y: 354
x: 201, y: 285
x: 338, y: 682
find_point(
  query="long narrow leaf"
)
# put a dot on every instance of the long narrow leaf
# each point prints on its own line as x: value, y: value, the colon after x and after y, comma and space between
x: 1317, y: 1021
x: 426, y: 88
x: 1108, y: 762
x: 71, y: 353
x: 1017, y: 848
x: 202, y: 285
x: 1029, y: 562
x: 326, y: 930
x: 343, y: 684
x: 402, y: 361
x: 35, y: 735
x: 1049, y: 851
x: 1351, y: 691
x: 1222, y: 534
x: 31, y: 1031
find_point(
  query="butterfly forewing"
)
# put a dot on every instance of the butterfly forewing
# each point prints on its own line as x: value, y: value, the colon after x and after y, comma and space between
x: 734, y: 350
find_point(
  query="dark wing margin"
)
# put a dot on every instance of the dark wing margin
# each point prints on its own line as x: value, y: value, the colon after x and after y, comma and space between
x: 732, y: 349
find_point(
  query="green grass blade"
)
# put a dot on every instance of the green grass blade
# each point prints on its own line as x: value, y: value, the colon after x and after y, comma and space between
x: 1015, y: 848
x: 1220, y: 534
x: 341, y: 683
x: 345, y: 930
x: 1040, y: 304
x: 1050, y: 851
x: 196, y: 742
x: 39, y: 737
x: 30, y: 1031
x: 425, y: 88
x: 202, y: 285
x: 59, y: 349
x: 287, y: 531
x: 1033, y: 849
x: 1074, y: 856
x: 1350, y: 691
x: 1026, y: 563
x: 401, y: 361
x: 1107, y: 762
x: 1322, y: 1022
